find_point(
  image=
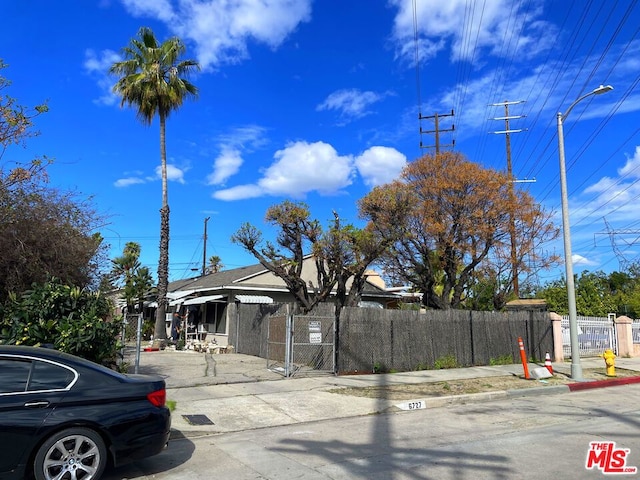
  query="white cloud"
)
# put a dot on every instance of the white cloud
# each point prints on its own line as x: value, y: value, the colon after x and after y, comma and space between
x: 240, y: 192
x: 351, y: 103
x: 174, y: 174
x: 221, y: 29
x: 97, y: 66
x: 618, y: 194
x: 302, y: 167
x: 380, y: 165
x: 536, y: 88
x: 128, y: 181
x: 299, y: 168
x: 632, y: 167
x: 160, y: 9
x: 247, y: 137
x: 583, y: 261
x: 232, y: 145
x: 470, y: 29
x: 99, y: 63
x: 226, y: 165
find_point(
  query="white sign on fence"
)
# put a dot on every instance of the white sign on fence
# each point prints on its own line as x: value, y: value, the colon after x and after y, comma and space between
x: 315, y: 337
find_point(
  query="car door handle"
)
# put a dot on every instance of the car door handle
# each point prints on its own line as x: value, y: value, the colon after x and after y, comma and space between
x: 40, y: 404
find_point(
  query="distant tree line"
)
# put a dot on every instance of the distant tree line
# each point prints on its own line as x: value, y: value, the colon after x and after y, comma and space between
x: 597, y: 293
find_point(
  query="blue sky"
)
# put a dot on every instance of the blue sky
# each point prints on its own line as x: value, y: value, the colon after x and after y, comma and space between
x: 319, y: 101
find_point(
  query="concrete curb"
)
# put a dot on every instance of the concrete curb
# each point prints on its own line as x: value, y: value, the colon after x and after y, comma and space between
x: 552, y: 390
x: 437, y: 402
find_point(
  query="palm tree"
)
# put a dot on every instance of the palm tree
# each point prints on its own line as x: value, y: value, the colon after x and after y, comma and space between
x: 215, y: 264
x: 152, y: 80
x: 124, y: 270
x: 143, y: 284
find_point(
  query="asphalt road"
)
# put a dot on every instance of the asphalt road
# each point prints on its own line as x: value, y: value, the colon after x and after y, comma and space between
x: 537, y: 437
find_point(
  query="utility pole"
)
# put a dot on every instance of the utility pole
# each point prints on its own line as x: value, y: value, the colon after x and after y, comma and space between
x: 204, y: 250
x: 437, y: 130
x: 512, y: 198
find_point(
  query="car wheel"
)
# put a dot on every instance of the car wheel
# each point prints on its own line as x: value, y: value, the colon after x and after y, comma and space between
x: 72, y: 454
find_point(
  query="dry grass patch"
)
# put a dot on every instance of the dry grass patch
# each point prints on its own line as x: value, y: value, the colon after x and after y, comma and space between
x: 470, y: 385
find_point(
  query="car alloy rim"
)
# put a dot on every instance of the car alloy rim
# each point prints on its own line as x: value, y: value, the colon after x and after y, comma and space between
x: 75, y: 457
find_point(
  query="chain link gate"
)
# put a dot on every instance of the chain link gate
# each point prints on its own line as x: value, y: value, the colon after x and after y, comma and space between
x: 277, y: 343
x: 301, y: 344
x: 132, y: 330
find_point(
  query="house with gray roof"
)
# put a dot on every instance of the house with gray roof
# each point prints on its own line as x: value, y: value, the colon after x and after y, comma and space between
x: 204, y: 300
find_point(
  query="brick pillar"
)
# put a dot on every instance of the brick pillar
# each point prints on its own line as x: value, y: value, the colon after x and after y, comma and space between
x: 625, y: 336
x: 556, y: 324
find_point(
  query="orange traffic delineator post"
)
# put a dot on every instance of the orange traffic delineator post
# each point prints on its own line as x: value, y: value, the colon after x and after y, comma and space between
x: 523, y: 358
x: 547, y: 363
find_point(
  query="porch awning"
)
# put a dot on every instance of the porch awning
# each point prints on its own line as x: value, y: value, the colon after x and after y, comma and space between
x: 201, y: 300
x: 263, y: 299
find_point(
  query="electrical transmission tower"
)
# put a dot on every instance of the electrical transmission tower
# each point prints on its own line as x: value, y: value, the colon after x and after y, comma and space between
x: 437, y: 130
x: 623, y: 262
x: 512, y: 222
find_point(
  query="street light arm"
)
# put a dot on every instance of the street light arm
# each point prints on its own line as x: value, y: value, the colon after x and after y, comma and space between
x: 598, y: 91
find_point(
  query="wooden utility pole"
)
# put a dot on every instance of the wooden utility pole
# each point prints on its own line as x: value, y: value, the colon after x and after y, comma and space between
x: 437, y: 130
x: 512, y: 198
x: 204, y: 250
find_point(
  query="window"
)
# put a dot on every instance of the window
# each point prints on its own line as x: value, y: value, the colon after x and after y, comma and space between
x: 216, y: 314
x: 14, y: 374
x: 49, y: 376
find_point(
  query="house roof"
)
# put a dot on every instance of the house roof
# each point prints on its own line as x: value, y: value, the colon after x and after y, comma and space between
x: 527, y: 304
x: 252, y: 277
x: 219, y: 279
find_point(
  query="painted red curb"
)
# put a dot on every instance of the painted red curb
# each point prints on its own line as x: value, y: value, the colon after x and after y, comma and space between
x: 574, y: 387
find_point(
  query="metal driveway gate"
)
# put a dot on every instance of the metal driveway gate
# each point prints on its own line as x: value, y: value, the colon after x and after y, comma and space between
x: 277, y: 343
x: 301, y: 344
x: 595, y: 335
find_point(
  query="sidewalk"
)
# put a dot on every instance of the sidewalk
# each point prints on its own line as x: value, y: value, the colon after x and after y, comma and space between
x: 234, y: 392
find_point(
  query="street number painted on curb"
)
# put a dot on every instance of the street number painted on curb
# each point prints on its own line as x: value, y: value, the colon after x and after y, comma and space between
x: 412, y: 405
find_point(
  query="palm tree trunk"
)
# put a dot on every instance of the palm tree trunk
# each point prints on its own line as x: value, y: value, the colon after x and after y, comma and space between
x: 163, y: 264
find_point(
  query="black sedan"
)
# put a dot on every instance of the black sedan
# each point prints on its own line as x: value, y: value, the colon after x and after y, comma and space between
x: 65, y: 418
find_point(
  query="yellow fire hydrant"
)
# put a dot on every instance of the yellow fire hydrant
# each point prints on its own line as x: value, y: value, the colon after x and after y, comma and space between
x: 610, y: 362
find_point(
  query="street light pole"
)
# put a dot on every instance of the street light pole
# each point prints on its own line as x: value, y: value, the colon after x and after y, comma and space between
x: 576, y: 367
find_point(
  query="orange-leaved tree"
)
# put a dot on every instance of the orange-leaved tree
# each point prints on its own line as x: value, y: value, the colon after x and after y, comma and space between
x: 458, y: 223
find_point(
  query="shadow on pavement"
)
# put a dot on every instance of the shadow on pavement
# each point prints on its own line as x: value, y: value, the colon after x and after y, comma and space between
x: 179, y: 451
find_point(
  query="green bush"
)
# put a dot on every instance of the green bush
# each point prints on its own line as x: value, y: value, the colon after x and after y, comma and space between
x: 71, y: 319
x: 448, y: 361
